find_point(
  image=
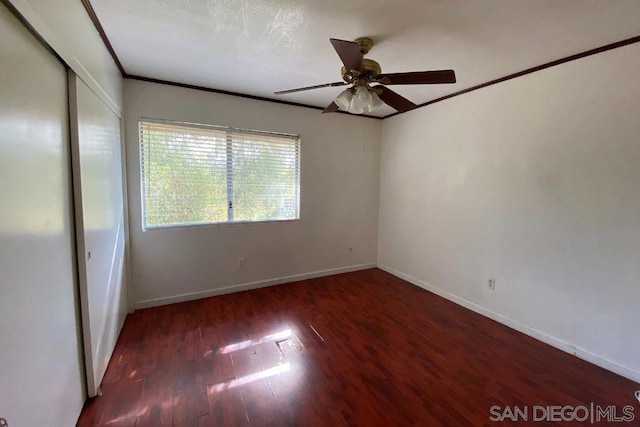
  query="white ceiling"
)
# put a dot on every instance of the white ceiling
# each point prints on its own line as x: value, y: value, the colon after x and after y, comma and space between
x: 257, y: 47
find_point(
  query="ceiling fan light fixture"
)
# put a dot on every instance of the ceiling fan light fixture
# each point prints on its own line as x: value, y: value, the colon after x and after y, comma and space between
x: 375, y: 101
x: 344, y: 99
x: 356, y: 107
x: 360, y: 101
x: 362, y: 95
x: 365, y: 100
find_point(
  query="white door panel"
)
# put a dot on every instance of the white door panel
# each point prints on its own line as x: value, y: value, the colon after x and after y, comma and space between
x: 97, y: 166
x: 41, y: 379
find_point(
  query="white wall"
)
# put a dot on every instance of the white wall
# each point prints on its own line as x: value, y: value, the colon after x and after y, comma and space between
x: 534, y: 182
x: 339, y: 200
x: 41, y: 378
x: 100, y: 226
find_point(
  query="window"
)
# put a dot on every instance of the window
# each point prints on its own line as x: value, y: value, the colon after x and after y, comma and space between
x: 200, y: 174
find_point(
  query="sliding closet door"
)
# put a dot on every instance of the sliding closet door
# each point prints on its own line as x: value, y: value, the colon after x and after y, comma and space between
x: 41, y: 369
x: 100, y: 225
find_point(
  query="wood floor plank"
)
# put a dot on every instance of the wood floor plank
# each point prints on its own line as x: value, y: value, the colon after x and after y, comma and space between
x: 362, y: 348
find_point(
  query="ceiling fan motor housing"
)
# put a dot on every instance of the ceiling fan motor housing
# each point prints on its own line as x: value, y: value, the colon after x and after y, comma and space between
x: 372, y: 68
x: 365, y: 43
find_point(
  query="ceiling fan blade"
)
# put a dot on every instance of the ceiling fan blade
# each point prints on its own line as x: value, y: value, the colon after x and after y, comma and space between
x: 394, y: 99
x: 282, y: 92
x: 332, y: 108
x: 349, y: 53
x: 418, y: 78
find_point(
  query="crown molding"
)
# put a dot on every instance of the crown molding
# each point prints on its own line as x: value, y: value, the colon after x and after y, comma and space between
x: 544, y: 66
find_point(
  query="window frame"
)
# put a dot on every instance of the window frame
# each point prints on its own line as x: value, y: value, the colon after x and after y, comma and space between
x: 229, y: 139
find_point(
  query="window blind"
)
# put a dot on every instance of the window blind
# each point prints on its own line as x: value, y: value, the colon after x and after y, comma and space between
x: 199, y: 174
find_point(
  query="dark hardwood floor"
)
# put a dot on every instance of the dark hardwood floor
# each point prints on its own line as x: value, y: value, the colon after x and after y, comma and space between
x: 363, y: 348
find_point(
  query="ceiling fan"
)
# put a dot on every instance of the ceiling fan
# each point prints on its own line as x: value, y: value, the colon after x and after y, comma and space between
x: 361, y: 73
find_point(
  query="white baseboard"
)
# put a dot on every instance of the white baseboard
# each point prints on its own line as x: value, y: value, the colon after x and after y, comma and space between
x: 539, y: 335
x: 155, y: 302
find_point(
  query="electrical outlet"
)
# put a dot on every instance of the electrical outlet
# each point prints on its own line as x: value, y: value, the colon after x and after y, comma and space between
x: 492, y: 284
x: 242, y: 262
